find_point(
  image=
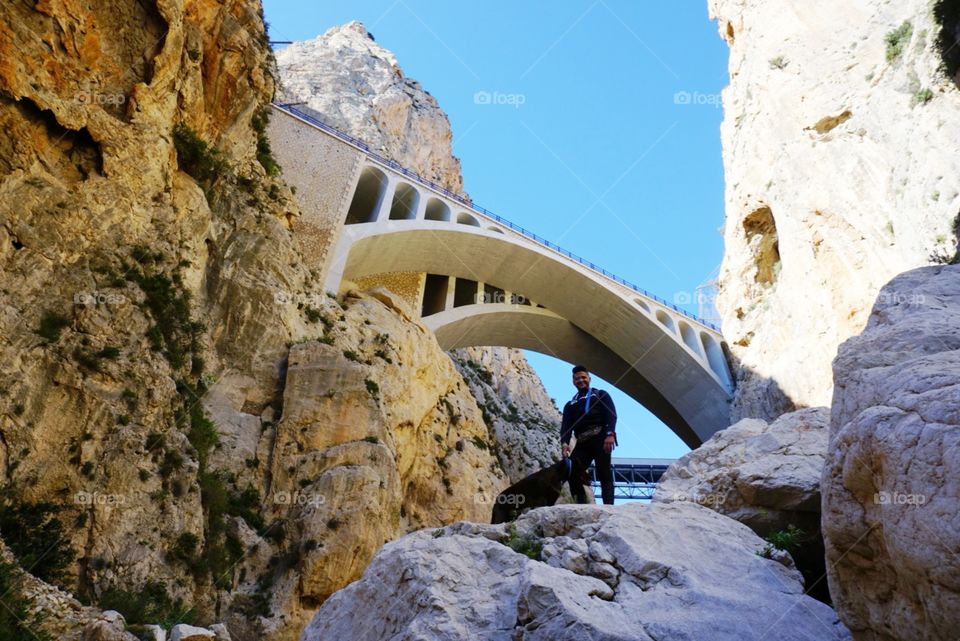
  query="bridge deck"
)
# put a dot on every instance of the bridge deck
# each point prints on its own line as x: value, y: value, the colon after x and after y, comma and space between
x: 302, y: 114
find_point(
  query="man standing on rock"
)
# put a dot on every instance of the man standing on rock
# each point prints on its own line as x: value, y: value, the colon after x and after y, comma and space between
x: 592, y: 418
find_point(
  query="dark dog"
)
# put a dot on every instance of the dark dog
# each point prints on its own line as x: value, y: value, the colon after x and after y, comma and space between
x: 537, y: 490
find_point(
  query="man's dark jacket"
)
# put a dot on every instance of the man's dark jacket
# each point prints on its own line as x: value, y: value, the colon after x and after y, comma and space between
x: 600, y: 418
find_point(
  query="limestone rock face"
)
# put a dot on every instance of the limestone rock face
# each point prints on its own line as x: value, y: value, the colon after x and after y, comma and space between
x: 379, y: 435
x: 892, y: 480
x: 359, y: 88
x: 524, y: 420
x: 665, y: 572
x: 765, y: 476
x: 841, y: 171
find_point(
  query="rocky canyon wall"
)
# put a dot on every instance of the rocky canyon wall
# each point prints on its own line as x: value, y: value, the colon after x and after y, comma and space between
x: 839, y: 152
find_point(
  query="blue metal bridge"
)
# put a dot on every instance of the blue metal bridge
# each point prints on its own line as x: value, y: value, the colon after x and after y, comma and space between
x: 634, y: 479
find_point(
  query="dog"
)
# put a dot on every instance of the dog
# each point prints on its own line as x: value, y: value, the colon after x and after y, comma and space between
x: 540, y: 489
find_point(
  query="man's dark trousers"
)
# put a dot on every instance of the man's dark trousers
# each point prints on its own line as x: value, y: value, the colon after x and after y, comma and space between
x: 585, y: 452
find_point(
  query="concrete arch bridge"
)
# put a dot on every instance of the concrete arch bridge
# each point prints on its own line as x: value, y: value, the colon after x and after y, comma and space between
x: 488, y: 282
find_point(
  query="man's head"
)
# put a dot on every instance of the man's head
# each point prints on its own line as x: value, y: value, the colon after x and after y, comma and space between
x: 581, y: 377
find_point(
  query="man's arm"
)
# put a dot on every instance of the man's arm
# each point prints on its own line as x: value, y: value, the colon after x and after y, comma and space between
x: 609, y: 413
x: 566, y: 425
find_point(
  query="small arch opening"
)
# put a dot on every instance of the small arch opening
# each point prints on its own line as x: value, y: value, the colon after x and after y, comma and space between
x: 496, y: 229
x: 405, y: 201
x: 642, y: 304
x: 367, y: 196
x: 493, y: 294
x: 466, y: 219
x: 434, y: 294
x: 666, y: 320
x: 718, y: 363
x: 465, y: 292
x: 690, y: 338
x: 437, y: 210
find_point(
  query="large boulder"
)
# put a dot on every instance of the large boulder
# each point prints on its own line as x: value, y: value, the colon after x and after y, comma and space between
x: 635, y: 572
x: 891, y: 485
x: 767, y: 476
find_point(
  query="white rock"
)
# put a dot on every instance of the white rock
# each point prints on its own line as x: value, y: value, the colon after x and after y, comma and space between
x: 358, y: 87
x: 892, y: 481
x: 852, y: 206
x: 155, y: 633
x: 685, y: 572
x: 766, y: 476
x: 184, y: 632
x: 221, y: 632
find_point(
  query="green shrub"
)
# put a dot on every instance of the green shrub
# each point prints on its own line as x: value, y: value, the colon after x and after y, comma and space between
x: 203, y: 434
x: 108, y: 352
x: 897, y: 40
x: 922, y: 96
x: 526, y: 544
x: 372, y: 387
x: 312, y: 313
x: 51, y: 324
x: 36, y: 537
x: 196, y: 157
x: 185, y: 548
x: 86, y: 360
x: 264, y: 153
x: 246, y: 505
x: 351, y: 355
x: 252, y: 605
x: 788, y: 540
x: 172, y: 331
x: 149, y: 604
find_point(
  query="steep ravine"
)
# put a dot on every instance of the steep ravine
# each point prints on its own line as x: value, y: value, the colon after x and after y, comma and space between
x: 190, y: 428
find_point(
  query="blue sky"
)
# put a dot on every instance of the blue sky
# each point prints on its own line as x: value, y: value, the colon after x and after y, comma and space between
x: 593, y: 124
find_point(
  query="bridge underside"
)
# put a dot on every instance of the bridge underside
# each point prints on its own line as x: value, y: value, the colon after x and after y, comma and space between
x: 597, y: 326
x: 539, y: 330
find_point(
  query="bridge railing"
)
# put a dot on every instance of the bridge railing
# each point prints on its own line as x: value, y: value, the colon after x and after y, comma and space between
x: 466, y: 202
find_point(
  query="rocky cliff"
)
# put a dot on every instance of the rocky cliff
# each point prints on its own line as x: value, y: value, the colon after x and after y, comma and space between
x: 190, y: 429
x: 841, y: 171
x: 359, y: 88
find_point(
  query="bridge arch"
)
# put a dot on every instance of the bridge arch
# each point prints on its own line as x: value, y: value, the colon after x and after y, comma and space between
x: 405, y: 201
x: 688, y: 388
x: 437, y: 210
x: 529, y: 293
x: 367, y: 196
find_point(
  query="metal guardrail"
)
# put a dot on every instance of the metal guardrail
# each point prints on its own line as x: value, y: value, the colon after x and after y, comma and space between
x: 356, y: 142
